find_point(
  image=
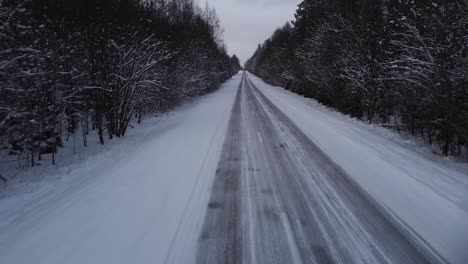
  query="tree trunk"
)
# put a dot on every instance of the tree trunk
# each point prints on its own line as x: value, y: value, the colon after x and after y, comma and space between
x: 397, y: 125
x: 3, y: 179
x: 74, y: 143
x: 99, y: 128
x: 446, y: 147
x: 84, y: 127
x: 32, y: 158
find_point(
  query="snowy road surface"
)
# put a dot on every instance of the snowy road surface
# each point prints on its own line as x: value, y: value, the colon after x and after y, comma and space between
x: 278, y: 198
x: 248, y: 174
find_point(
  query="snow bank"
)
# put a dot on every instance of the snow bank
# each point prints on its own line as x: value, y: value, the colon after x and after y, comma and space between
x: 133, y: 203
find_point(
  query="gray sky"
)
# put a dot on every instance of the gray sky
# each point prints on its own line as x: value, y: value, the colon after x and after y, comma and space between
x: 247, y: 23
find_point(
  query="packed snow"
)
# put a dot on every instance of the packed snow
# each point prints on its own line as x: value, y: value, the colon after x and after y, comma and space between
x: 428, y: 194
x: 137, y: 202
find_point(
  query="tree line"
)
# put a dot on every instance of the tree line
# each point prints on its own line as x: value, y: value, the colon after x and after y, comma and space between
x: 87, y: 66
x: 402, y: 63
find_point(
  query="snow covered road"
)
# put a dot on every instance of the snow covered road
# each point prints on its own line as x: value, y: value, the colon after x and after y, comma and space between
x: 427, y: 194
x: 278, y: 198
x: 248, y: 174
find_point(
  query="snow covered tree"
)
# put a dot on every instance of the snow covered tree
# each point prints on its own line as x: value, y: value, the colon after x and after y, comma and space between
x: 100, y: 65
x: 401, y: 61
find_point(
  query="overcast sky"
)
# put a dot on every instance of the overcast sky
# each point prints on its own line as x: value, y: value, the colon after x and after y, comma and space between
x: 247, y: 23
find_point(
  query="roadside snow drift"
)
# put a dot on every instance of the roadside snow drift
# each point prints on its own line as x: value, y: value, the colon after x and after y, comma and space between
x: 147, y: 208
x: 427, y: 194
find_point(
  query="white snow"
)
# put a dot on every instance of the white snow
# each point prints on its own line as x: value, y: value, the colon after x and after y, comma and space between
x: 427, y: 193
x: 142, y: 200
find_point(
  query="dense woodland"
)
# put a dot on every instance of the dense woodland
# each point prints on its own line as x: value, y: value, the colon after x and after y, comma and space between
x: 403, y: 63
x: 97, y: 66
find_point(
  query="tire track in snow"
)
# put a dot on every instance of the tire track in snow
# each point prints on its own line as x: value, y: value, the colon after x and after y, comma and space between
x: 277, y: 198
x: 221, y: 237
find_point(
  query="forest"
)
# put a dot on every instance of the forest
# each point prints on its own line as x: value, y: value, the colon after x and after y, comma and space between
x: 402, y: 64
x: 71, y: 68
